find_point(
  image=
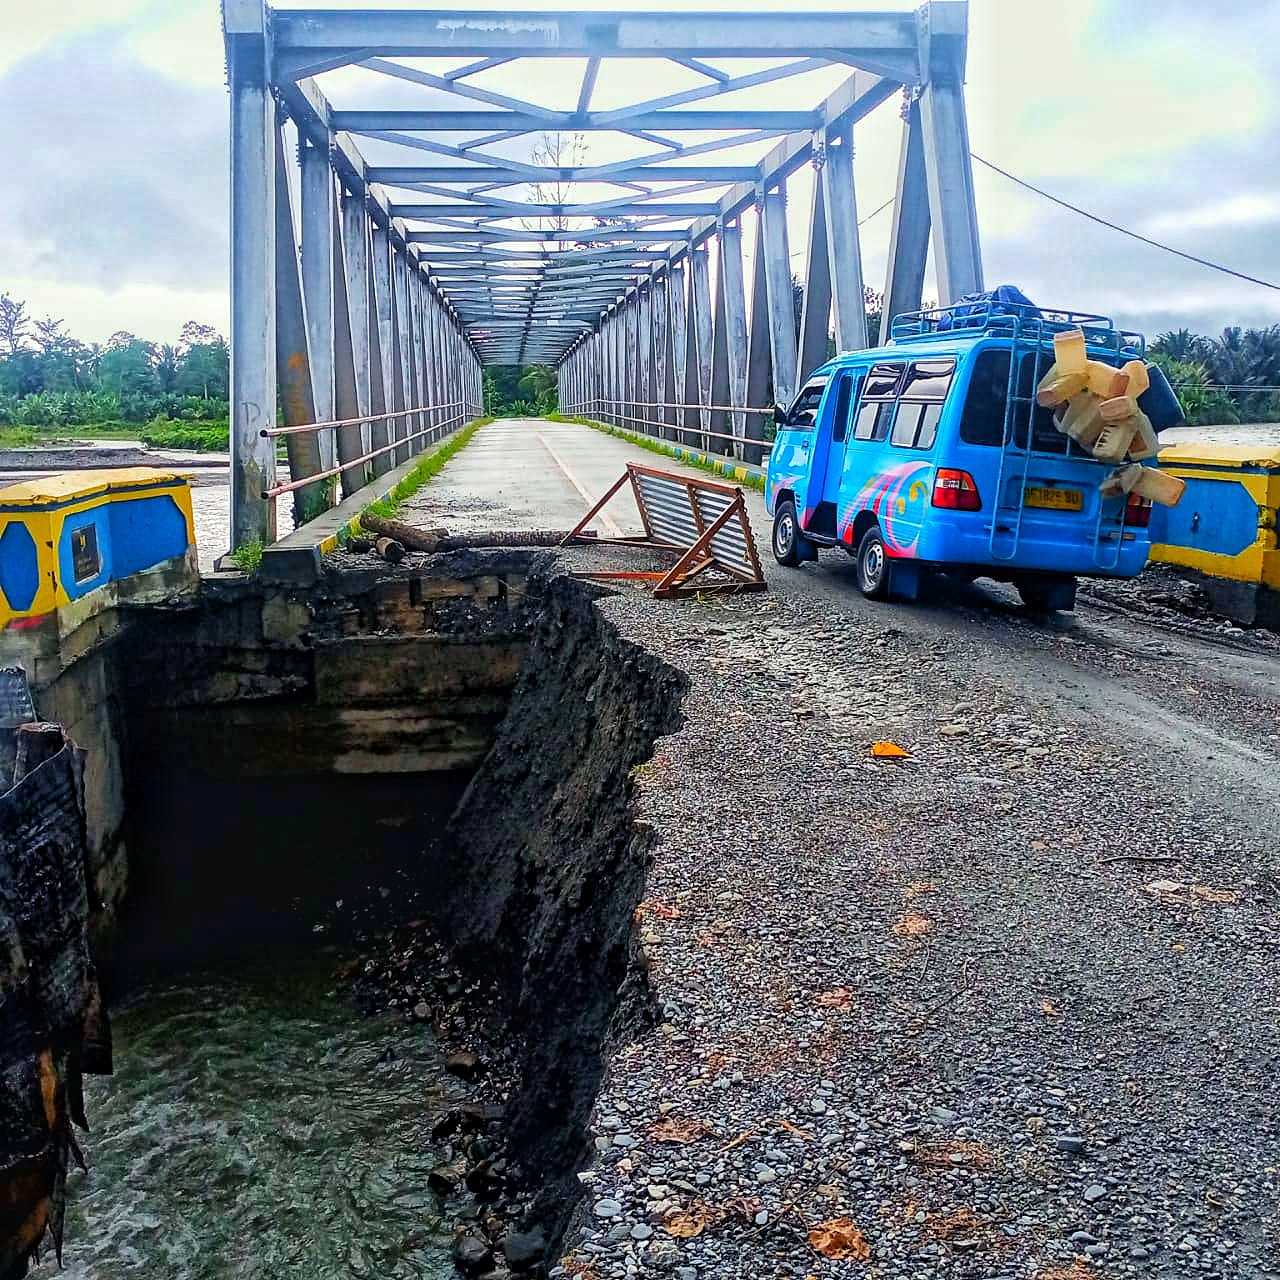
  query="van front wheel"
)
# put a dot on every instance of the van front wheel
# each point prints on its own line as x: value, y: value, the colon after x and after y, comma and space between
x: 788, y: 543
x: 873, y: 565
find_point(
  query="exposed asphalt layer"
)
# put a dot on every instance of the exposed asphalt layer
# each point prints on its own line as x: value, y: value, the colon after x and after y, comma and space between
x: 1005, y: 1007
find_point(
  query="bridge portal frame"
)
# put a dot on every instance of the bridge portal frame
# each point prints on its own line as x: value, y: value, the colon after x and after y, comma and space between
x: 368, y: 330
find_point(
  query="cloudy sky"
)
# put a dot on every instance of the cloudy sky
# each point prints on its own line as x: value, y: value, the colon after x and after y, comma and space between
x: 1162, y: 115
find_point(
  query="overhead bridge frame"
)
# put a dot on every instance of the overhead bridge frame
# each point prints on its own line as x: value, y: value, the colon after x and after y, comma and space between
x: 367, y: 332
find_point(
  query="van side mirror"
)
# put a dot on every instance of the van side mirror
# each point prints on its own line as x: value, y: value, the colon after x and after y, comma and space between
x: 779, y: 415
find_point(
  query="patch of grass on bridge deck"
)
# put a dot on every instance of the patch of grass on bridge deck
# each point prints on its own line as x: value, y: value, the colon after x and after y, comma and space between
x: 729, y: 469
x: 431, y: 465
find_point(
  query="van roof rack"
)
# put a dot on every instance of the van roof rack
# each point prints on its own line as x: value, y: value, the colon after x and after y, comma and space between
x: 1016, y: 320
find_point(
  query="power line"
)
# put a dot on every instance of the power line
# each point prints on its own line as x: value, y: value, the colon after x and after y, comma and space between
x: 879, y: 209
x: 1093, y: 217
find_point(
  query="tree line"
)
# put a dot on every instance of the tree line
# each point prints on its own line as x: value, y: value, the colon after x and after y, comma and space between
x: 48, y: 378
x: 1234, y: 377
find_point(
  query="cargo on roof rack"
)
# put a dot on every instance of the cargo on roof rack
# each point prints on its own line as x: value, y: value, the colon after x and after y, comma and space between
x: 1015, y: 320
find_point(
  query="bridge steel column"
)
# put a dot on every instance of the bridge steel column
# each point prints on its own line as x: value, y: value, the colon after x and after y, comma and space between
x: 253, y: 274
x: 844, y: 249
x: 678, y: 305
x: 815, y: 315
x: 644, y: 326
x: 778, y: 294
x: 317, y: 281
x: 346, y: 399
x: 700, y: 305
x: 735, y: 313
x: 293, y: 365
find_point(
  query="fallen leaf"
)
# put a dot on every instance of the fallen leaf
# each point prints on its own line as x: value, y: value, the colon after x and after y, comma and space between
x: 795, y: 1130
x: 684, y: 1224
x: 744, y: 1208
x: 951, y: 1153
x: 678, y: 1129
x: 651, y: 907
x: 837, y: 998
x: 1049, y: 1009
x: 741, y: 1140
x: 885, y: 750
x: 1187, y: 895
x: 917, y: 887
x: 961, y: 1221
x: 912, y: 925
x: 1078, y: 1270
x: 1206, y: 893
x: 840, y: 1239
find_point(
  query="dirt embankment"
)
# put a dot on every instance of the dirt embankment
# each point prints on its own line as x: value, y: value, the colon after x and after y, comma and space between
x: 546, y: 869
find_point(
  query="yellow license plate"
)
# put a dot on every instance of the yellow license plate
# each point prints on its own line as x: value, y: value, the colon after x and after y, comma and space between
x: 1054, y: 499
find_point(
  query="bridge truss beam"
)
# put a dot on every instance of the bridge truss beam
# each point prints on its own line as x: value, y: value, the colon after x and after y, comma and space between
x: 493, y: 228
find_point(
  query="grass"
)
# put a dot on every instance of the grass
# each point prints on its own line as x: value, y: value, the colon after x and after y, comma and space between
x: 162, y: 433
x: 667, y: 450
x: 248, y: 558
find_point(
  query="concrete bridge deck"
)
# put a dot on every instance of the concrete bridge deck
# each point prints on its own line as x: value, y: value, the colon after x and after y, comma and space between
x: 531, y: 473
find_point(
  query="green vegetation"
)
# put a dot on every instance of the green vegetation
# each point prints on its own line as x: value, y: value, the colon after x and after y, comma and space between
x: 248, y: 558
x: 752, y: 481
x: 50, y: 380
x: 1215, y: 377
x: 429, y: 466
x: 520, y: 391
x: 162, y: 433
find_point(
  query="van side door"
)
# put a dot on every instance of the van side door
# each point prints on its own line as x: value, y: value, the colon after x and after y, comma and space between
x: 791, y: 458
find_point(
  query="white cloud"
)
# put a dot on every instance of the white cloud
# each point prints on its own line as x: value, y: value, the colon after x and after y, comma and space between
x: 1249, y: 208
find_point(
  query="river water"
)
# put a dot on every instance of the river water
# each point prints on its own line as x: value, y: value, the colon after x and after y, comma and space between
x: 257, y: 1126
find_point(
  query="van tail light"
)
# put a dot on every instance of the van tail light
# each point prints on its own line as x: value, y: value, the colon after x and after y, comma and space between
x: 1137, y: 512
x: 955, y: 491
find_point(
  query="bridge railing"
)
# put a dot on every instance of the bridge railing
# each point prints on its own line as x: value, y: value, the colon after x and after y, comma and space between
x: 750, y: 449
x: 358, y: 471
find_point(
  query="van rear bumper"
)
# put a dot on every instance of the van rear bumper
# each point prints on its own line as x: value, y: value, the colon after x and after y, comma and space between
x: 1037, y: 553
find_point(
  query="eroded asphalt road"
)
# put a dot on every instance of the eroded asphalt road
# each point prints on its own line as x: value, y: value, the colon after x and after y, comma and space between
x: 1005, y: 1008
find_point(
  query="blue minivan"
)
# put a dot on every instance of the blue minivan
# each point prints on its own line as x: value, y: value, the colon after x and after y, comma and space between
x: 930, y: 452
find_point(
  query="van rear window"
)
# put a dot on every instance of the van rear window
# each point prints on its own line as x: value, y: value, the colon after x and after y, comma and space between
x: 982, y: 421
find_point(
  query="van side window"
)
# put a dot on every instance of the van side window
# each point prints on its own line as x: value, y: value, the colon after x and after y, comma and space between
x: 928, y: 380
x: 882, y: 382
x: 923, y: 391
x: 875, y: 410
x: 844, y: 399
x: 916, y: 425
x: 804, y: 411
x: 872, y: 421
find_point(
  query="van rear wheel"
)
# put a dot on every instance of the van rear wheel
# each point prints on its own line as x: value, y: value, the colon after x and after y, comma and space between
x: 873, y: 565
x: 1047, y: 594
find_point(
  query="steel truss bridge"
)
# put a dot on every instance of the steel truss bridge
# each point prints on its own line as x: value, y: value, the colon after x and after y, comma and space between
x: 416, y: 194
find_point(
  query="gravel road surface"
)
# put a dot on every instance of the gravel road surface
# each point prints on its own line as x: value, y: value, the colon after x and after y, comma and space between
x: 1006, y: 1006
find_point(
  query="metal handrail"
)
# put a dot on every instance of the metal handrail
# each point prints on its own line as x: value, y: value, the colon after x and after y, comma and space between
x: 614, y: 408
x: 277, y: 490
x: 355, y: 422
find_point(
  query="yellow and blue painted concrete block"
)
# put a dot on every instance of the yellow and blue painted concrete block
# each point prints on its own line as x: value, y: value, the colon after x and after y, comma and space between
x: 1225, y: 527
x: 68, y: 540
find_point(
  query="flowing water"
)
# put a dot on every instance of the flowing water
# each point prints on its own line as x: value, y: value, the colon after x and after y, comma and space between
x: 258, y: 1125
